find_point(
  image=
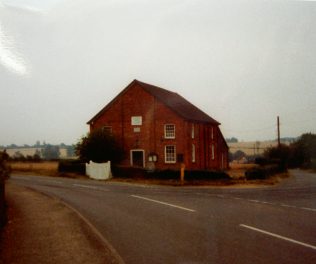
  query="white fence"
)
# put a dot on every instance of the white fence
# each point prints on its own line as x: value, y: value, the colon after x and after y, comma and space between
x: 99, y: 171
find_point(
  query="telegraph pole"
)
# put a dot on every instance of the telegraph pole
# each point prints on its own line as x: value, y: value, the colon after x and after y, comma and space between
x: 278, y: 124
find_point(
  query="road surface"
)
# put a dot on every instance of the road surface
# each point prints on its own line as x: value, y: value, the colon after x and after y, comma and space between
x: 159, y: 224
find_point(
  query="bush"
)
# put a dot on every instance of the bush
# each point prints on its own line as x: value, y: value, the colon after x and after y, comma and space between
x: 72, y: 166
x: 100, y: 146
x: 128, y: 172
x: 262, y: 172
x: 206, y: 175
x: 4, y: 174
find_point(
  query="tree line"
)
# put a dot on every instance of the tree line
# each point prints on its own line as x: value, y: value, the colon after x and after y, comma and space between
x: 43, y: 152
x: 299, y: 154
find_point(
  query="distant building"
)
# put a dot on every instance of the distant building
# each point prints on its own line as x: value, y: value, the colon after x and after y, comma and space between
x: 24, y: 151
x: 157, y: 126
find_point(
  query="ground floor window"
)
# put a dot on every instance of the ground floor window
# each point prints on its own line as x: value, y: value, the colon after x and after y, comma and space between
x: 170, y: 154
x: 193, y: 153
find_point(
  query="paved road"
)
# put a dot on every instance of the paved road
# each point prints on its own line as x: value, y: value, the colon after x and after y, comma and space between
x: 152, y: 224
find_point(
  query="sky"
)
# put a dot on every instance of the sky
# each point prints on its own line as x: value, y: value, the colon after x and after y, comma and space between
x: 242, y: 62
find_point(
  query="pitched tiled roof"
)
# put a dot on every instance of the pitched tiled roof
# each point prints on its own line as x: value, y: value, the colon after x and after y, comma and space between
x: 174, y: 101
x: 178, y: 104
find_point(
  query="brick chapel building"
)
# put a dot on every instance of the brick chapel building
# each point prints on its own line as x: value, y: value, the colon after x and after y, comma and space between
x: 161, y: 128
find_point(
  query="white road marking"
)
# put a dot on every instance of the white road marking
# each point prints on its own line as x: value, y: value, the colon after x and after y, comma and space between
x: 254, y: 201
x: 268, y: 203
x: 159, y: 202
x: 278, y: 236
x: 277, y: 204
x: 309, y: 209
x: 51, y: 181
x: 290, y: 206
x: 89, y: 187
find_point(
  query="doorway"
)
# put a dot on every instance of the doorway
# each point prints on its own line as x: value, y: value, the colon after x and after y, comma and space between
x: 137, y: 158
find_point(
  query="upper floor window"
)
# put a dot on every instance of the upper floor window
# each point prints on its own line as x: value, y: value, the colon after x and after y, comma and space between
x: 192, y: 131
x: 212, y: 133
x: 213, y: 151
x: 170, y: 131
x: 107, y: 129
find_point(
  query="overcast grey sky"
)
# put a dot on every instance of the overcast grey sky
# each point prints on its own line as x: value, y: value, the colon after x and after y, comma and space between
x: 241, y: 62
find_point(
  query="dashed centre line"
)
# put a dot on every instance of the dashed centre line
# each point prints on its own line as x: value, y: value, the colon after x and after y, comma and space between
x: 278, y: 236
x: 254, y: 201
x: 164, y: 203
x: 309, y: 209
x: 275, y: 204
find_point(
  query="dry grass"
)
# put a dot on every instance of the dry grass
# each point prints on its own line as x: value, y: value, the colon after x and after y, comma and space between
x: 45, y: 167
x: 237, y: 170
x: 238, y: 166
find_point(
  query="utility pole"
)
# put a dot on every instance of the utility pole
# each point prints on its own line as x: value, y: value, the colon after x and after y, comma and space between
x: 278, y: 124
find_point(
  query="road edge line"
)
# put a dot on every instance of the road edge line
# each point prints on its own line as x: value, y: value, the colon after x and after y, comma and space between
x: 106, y: 243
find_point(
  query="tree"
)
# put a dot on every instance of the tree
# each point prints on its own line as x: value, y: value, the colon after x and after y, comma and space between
x: 303, y: 150
x: 99, y: 146
x: 298, y: 154
x: 231, y: 140
x: 238, y: 155
x: 50, y: 152
x: 279, y: 155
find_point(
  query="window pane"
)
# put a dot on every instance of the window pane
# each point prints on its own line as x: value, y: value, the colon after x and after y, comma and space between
x: 170, y: 131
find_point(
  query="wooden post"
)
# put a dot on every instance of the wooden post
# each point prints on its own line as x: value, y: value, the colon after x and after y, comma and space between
x: 182, y: 173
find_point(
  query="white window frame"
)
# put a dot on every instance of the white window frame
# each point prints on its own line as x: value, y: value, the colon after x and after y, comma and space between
x: 213, y: 151
x: 192, y: 131
x: 167, y: 155
x: 193, y: 153
x: 170, y: 134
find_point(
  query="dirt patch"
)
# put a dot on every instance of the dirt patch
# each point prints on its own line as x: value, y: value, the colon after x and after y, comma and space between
x: 43, y: 230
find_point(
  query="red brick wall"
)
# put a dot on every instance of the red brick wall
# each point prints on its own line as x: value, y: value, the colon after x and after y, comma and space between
x: 137, y: 102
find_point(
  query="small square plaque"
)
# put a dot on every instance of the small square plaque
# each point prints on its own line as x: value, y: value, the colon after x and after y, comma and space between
x: 136, y: 120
